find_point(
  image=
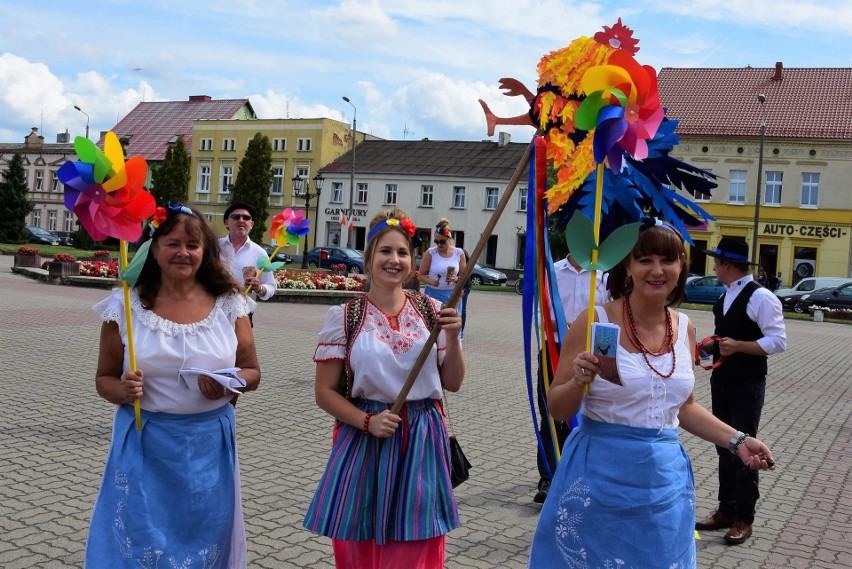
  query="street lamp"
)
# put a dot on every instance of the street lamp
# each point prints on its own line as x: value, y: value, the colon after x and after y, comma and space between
x: 87, y: 119
x: 352, y: 170
x: 761, y: 98
x: 300, y: 188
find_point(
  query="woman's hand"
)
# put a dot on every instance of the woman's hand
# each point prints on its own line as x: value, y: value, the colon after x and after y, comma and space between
x: 450, y: 321
x: 211, y: 389
x: 586, y: 368
x: 130, y: 386
x: 756, y: 455
x: 384, y: 424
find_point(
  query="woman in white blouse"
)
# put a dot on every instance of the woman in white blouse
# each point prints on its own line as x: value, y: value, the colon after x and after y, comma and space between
x: 442, y: 264
x: 170, y: 494
x: 623, y: 493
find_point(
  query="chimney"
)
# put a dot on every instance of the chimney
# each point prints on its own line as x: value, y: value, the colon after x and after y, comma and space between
x: 503, y: 139
x: 779, y: 68
x: 199, y: 98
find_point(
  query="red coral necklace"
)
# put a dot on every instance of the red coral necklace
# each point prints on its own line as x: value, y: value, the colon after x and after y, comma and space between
x: 633, y: 336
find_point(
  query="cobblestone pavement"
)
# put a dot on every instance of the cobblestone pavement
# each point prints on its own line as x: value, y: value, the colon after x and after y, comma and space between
x: 54, y: 432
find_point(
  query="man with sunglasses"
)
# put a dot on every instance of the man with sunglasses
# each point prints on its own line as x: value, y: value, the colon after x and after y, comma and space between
x: 241, y: 253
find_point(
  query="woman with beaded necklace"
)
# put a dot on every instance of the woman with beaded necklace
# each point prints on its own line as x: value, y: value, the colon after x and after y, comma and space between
x: 623, y: 493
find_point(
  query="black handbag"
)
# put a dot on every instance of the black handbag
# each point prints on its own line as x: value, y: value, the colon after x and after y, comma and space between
x: 459, y: 464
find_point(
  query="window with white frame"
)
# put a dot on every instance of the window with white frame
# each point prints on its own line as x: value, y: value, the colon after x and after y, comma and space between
x: 51, y: 221
x: 203, y: 186
x: 39, y: 180
x: 336, y: 192
x: 277, y: 181
x: 492, y: 196
x: 810, y: 189
x: 361, y: 194
x: 226, y: 178
x: 279, y: 144
x: 54, y: 182
x: 68, y: 222
x: 522, y: 199
x: 303, y: 145
x: 37, y: 217
x: 737, y: 187
x: 391, y: 192
x: 229, y: 144
x: 427, y: 195
x: 699, y: 197
x: 459, y: 197
x: 772, y: 196
x: 205, y: 144
x: 303, y: 171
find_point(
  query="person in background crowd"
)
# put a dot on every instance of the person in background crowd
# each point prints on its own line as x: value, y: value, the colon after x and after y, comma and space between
x: 241, y: 253
x: 170, y: 495
x: 386, y: 498
x: 441, y: 264
x: 750, y: 323
x: 623, y: 493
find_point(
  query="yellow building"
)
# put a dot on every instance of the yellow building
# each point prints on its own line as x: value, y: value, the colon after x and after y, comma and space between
x: 300, y: 147
x: 799, y: 162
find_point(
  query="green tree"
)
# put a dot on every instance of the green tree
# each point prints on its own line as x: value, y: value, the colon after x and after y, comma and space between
x: 254, y: 179
x: 171, y: 178
x: 13, y: 196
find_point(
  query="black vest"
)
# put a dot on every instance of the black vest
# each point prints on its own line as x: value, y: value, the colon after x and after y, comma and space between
x: 737, y: 325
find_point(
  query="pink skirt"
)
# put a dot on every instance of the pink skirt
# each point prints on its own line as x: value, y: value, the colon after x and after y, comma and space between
x: 422, y: 554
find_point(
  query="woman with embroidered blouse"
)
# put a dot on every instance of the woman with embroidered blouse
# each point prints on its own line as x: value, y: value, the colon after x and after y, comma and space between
x: 386, y: 498
x: 623, y: 494
x: 170, y: 495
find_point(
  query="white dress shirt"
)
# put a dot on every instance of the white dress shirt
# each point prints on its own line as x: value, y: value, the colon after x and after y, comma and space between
x: 764, y: 309
x: 247, y: 256
x: 573, y: 288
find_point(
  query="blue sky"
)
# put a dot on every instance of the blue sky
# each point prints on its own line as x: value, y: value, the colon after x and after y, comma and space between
x: 413, y: 68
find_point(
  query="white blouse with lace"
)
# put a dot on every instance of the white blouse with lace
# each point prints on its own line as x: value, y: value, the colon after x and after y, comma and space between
x: 164, y: 347
x: 646, y: 400
x: 384, y: 351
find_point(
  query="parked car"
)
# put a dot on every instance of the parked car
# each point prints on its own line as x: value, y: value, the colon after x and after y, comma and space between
x: 280, y: 256
x: 484, y: 275
x: 39, y: 235
x: 832, y: 297
x: 794, y: 299
x: 64, y: 238
x: 705, y: 290
x: 790, y: 296
x: 325, y: 257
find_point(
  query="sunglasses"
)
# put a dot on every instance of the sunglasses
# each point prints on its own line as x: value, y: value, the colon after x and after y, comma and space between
x: 239, y: 216
x: 440, y: 241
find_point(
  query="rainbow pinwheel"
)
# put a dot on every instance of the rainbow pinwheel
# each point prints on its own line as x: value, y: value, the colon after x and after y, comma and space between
x: 105, y: 192
x: 108, y: 196
x: 287, y: 227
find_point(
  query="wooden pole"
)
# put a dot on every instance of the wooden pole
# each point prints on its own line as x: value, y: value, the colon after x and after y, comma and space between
x: 459, y: 287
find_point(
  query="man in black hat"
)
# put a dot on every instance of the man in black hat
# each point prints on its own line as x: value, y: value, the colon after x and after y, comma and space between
x: 750, y: 325
x: 241, y: 253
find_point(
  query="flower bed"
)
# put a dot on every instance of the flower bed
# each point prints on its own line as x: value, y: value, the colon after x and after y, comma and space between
x: 25, y: 251
x: 833, y: 312
x: 316, y: 280
x: 27, y: 257
x: 99, y: 269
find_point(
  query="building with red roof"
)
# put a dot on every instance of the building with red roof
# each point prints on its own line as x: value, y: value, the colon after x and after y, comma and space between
x: 801, y: 166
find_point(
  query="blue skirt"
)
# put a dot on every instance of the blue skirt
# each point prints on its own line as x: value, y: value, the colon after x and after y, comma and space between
x: 397, y: 488
x: 621, y: 497
x: 168, y: 496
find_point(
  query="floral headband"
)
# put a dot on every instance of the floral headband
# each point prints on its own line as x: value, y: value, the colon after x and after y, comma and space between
x: 441, y: 230
x: 648, y: 222
x: 405, y: 225
x: 163, y: 213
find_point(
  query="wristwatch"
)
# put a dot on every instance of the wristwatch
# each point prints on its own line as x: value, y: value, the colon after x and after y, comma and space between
x: 735, y: 442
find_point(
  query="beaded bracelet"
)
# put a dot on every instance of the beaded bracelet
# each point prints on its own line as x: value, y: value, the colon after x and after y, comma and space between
x: 366, y: 427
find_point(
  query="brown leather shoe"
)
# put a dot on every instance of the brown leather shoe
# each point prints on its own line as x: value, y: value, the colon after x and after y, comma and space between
x: 740, y: 532
x: 718, y: 520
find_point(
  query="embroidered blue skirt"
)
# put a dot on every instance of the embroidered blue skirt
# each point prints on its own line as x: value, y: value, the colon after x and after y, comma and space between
x: 169, y: 495
x: 397, y: 488
x: 621, y: 497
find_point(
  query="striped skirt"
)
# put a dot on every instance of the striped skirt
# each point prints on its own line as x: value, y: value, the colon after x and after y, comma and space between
x: 621, y: 497
x: 392, y: 489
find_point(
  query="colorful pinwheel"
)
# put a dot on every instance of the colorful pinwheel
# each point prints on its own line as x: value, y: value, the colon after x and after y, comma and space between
x: 107, y: 196
x: 287, y: 227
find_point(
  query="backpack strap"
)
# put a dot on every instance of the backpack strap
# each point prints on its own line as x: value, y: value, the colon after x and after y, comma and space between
x: 353, y: 318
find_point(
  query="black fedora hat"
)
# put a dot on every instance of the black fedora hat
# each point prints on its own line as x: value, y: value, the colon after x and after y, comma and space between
x: 235, y: 206
x: 731, y: 249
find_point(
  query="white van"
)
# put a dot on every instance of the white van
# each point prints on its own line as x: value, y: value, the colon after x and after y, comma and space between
x: 789, y: 296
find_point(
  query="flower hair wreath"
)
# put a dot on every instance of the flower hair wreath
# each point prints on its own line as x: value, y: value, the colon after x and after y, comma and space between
x: 163, y: 213
x: 442, y: 230
x: 404, y: 224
